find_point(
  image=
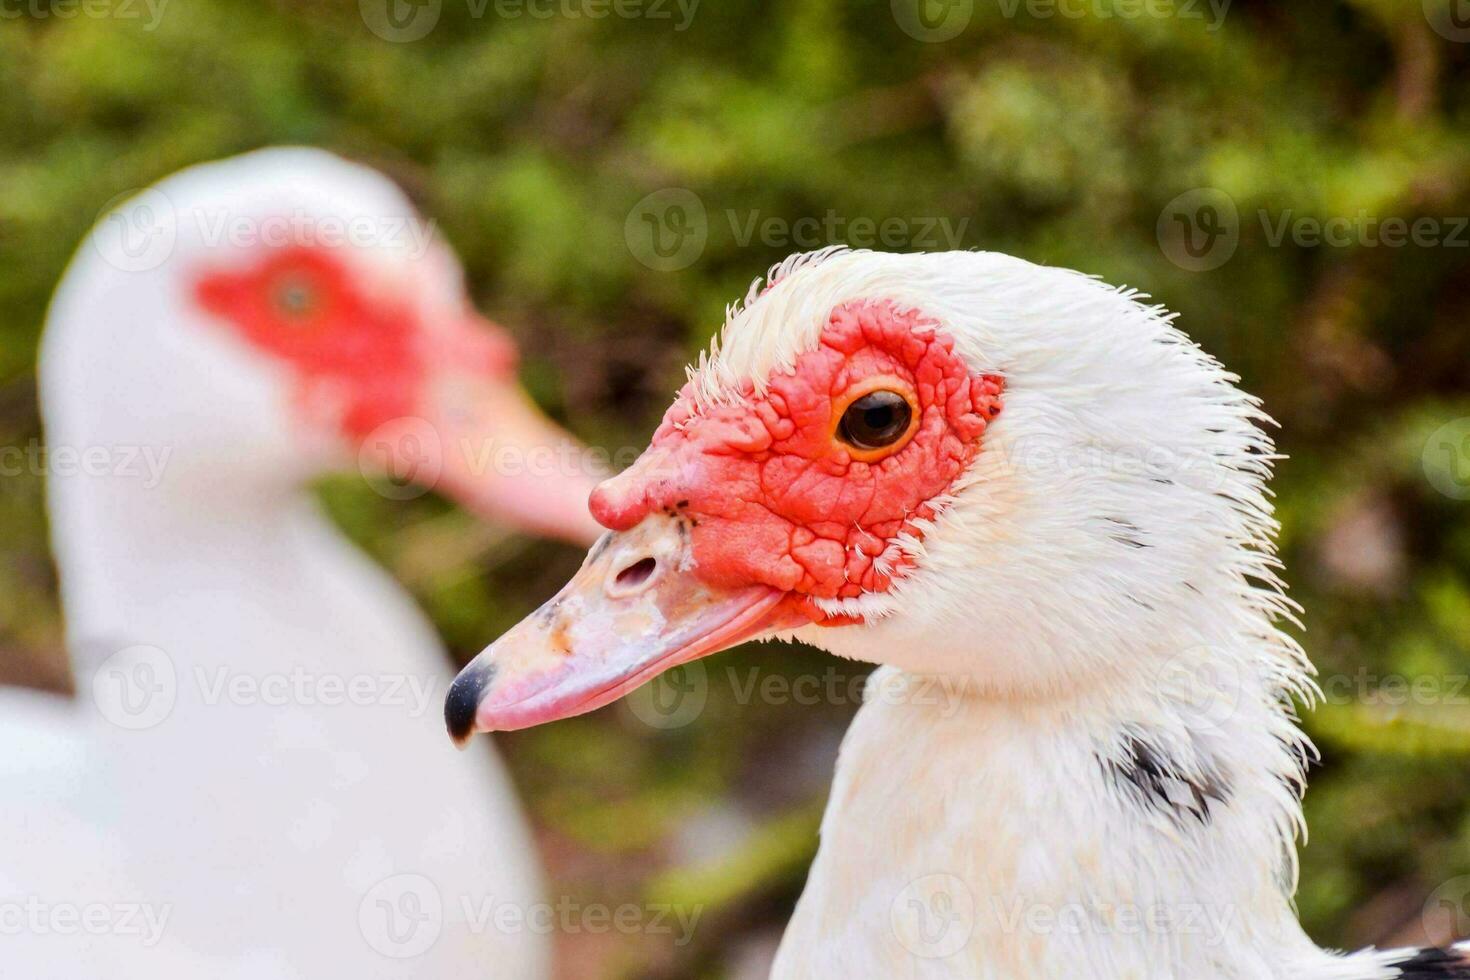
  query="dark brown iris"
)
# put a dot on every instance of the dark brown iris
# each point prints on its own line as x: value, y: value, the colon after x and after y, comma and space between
x: 295, y: 297
x: 875, y: 421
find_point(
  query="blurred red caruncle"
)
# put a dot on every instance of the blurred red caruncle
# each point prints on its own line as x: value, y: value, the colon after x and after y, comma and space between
x: 370, y: 354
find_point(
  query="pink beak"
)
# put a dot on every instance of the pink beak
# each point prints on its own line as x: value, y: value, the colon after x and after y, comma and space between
x: 635, y: 609
x: 480, y: 440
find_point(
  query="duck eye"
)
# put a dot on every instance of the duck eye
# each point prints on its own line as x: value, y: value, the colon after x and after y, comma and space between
x: 877, y: 420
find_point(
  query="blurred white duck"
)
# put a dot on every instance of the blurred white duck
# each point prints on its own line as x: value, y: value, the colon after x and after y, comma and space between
x: 1044, y: 512
x: 250, y: 782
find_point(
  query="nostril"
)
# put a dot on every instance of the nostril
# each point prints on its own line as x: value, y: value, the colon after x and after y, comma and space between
x: 637, y: 573
x: 632, y: 578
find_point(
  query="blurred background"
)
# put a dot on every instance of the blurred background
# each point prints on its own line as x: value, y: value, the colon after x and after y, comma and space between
x: 1292, y: 178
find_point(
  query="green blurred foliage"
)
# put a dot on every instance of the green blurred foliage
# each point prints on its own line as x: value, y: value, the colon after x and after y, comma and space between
x: 1058, y: 138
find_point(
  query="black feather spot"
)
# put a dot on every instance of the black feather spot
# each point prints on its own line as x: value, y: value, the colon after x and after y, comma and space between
x: 1434, y: 964
x: 1161, y: 784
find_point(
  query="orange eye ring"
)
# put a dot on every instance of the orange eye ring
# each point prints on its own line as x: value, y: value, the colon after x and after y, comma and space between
x: 885, y: 427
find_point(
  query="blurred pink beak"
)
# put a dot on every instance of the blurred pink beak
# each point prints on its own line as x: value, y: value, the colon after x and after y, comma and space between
x: 480, y: 440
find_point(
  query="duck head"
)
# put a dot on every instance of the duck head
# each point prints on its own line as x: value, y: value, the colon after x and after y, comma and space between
x: 958, y: 464
x: 274, y: 316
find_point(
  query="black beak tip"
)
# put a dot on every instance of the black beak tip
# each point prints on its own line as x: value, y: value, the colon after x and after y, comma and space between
x: 463, y: 700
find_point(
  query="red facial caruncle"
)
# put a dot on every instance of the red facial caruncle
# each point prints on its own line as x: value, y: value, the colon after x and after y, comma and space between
x: 370, y: 354
x: 415, y: 382
x: 745, y: 513
x: 773, y: 492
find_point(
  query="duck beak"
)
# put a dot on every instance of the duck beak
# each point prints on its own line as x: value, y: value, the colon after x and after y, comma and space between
x: 636, y: 608
x: 503, y: 459
x: 478, y: 438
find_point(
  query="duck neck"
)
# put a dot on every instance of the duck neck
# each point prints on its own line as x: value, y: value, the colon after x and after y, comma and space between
x: 135, y: 542
x: 1139, y: 829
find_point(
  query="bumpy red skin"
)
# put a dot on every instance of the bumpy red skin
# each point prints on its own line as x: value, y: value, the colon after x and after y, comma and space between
x: 372, y: 356
x: 773, y: 498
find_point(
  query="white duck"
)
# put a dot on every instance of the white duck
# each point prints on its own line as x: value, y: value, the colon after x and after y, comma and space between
x: 1044, y: 512
x: 251, y: 781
